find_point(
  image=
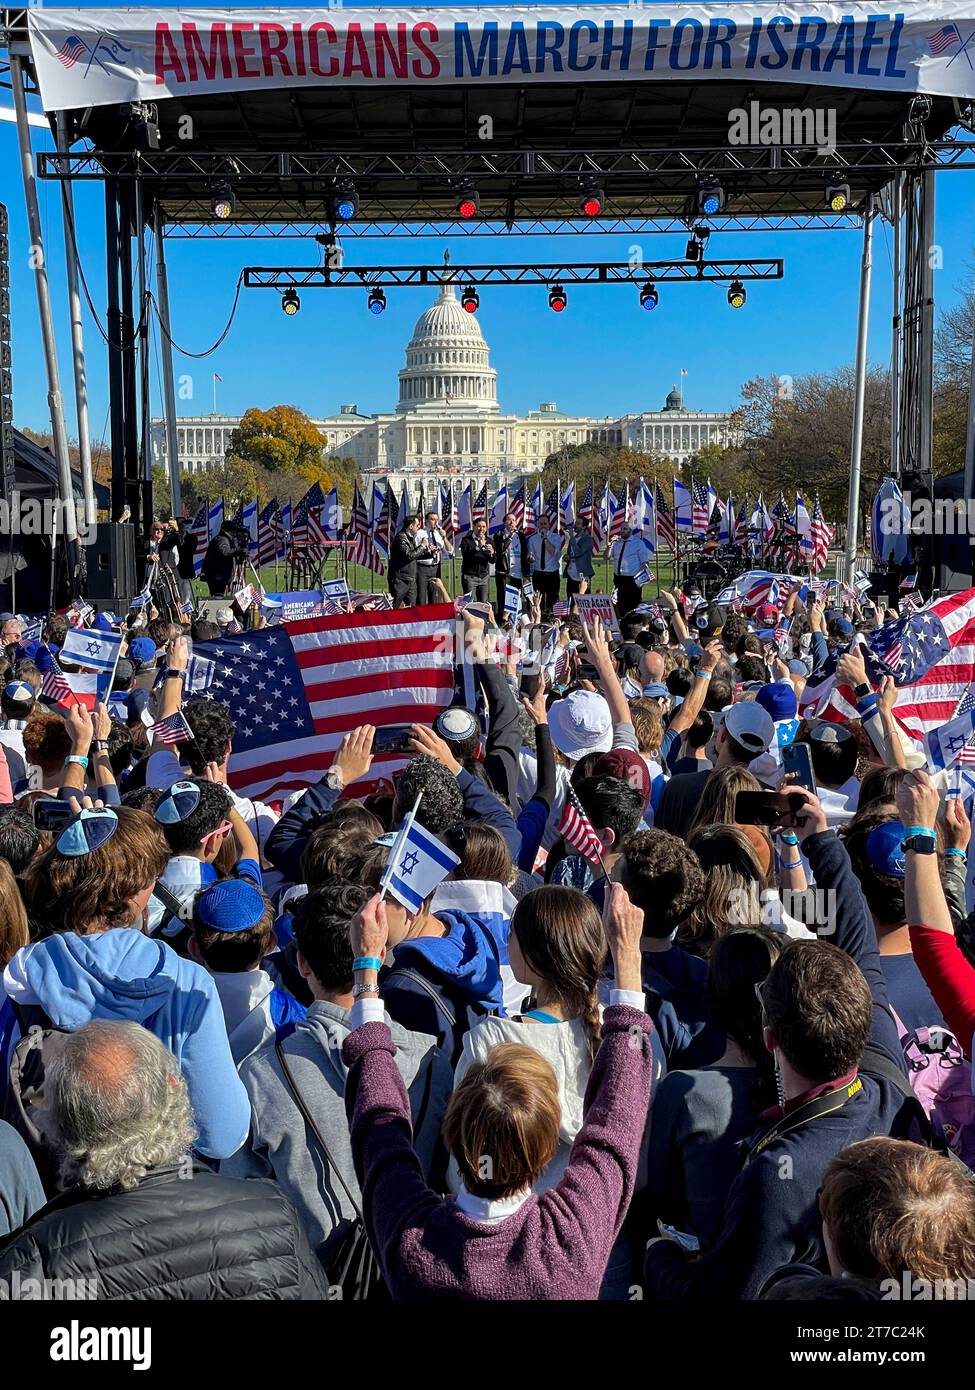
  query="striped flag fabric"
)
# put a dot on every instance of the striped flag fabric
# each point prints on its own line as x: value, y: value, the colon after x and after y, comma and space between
x: 588, y: 506
x: 939, y: 42
x: 465, y: 515
x: 267, y: 534
x: 94, y: 651
x: 666, y: 524
x: 821, y: 535
x: 533, y: 511
x: 172, y: 730
x: 215, y: 517
x: 683, y: 507
x: 200, y: 528
x: 576, y: 830
x: 499, y: 508
x: 701, y: 509
x: 70, y: 688
x: 74, y: 48
x: 550, y: 510
x: 363, y: 547
x: 296, y: 688
x: 803, y: 526
x: 479, y: 507
x: 380, y: 525
x: 567, y: 507
x: 516, y: 506
x: 931, y: 655
x: 284, y: 529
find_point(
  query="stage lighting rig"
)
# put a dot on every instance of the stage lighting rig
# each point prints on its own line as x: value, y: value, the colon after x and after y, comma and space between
x: 710, y: 197
x: 557, y: 299
x: 468, y: 202
x: 649, y: 297
x: 346, y: 202
x: 290, y: 303
x: 377, y: 301
x: 223, y: 201
x: 592, y: 200
x: 736, y: 294
x: 470, y: 300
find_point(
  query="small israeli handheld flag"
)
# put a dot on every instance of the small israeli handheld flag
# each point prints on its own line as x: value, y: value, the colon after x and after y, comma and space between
x: 512, y: 601
x: 643, y: 576
x: 95, y: 651
x: 335, y: 591
x: 951, y: 743
x: 417, y: 863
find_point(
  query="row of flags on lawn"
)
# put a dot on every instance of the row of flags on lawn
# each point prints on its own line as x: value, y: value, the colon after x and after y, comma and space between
x: 662, y: 513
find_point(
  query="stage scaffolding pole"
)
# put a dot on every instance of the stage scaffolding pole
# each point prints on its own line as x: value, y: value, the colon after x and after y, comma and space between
x: 970, y: 433
x: 55, y: 399
x: 856, y: 443
x: 168, y: 380
x: 77, y: 332
x: 897, y: 326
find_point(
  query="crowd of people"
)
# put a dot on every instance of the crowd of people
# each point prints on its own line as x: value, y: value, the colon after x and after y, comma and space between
x: 688, y: 1013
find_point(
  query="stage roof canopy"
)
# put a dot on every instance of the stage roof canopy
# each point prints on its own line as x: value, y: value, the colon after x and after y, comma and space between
x: 530, y: 106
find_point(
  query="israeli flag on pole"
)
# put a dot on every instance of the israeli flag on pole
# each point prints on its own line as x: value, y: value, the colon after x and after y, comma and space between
x: 945, y: 743
x: 199, y: 675
x: 417, y: 863
x: 94, y: 651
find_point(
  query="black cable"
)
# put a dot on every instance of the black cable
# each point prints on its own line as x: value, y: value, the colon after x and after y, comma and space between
x: 212, y: 349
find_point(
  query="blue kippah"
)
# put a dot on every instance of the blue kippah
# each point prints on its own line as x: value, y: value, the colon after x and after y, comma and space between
x: 178, y: 804
x: 86, y: 832
x: 231, y: 905
x: 885, y: 848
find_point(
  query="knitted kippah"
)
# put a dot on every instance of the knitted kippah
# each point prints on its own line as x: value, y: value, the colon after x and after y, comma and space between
x: 231, y: 905
x: 180, y: 802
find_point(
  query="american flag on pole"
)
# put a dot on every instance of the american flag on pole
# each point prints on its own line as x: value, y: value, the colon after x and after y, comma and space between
x: 533, y: 512
x: 479, y: 510
x: 294, y: 689
x: 588, y: 505
x: 619, y: 506
x: 381, y: 524
x: 363, y: 548
x: 267, y: 534
x: 200, y: 528
x: 600, y: 519
x: 701, y: 513
x: 822, y: 536
x: 576, y: 830
x: 551, y: 508
x: 516, y: 505
x: 666, y: 525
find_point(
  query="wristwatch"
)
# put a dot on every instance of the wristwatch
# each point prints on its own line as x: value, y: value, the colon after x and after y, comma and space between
x: 173, y: 671
x: 921, y: 844
x: 100, y: 744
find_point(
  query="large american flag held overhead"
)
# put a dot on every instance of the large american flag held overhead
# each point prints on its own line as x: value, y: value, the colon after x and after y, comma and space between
x: 293, y: 690
x: 931, y: 655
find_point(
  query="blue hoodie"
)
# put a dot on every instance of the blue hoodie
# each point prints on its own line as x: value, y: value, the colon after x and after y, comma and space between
x: 122, y: 974
x: 461, y: 979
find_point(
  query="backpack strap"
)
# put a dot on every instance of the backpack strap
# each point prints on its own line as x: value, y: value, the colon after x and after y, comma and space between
x: 309, y: 1121
x: 407, y: 973
x: 172, y: 905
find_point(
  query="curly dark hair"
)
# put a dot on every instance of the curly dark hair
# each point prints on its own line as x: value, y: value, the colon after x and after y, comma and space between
x: 733, y: 629
x: 321, y: 925
x: 143, y: 798
x: 55, y: 630
x: 339, y: 843
x: 213, y: 731
x: 442, y: 806
x: 186, y: 836
x: 120, y: 746
x: 662, y: 877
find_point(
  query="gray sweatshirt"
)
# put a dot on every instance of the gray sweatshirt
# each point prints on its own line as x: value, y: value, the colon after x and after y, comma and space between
x: 280, y: 1144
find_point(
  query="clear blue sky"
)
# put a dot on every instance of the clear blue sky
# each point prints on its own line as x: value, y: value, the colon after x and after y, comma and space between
x: 603, y: 356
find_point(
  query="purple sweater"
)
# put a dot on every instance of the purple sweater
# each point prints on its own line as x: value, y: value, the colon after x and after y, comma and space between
x: 555, y: 1246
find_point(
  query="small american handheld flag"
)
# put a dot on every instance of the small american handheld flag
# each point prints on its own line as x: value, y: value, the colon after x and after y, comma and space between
x: 576, y: 830
x: 172, y: 730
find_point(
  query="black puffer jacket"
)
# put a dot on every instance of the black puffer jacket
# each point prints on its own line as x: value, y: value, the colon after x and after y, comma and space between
x: 199, y: 1236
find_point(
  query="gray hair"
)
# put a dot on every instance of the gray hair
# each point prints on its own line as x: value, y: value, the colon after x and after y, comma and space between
x: 118, y: 1104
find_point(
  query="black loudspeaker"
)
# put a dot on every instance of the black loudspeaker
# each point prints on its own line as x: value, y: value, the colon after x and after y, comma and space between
x: 111, y: 563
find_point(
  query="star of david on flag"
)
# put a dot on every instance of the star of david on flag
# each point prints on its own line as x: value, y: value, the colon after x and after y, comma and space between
x: 418, y: 862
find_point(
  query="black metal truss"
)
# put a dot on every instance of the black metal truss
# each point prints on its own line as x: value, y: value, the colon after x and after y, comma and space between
x: 298, y: 229
x: 725, y: 159
x: 280, y: 278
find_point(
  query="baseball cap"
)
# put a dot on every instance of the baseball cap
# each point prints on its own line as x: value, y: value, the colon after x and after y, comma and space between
x: 629, y: 767
x: 223, y: 616
x: 798, y: 668
x: 124, y: 670
x: 844, y: 627
x: 231, y: 905
x: 143, y: 650
x: 750, y: 725
x: 768, y: 613
x: 103, y: 622
x: 885, y: 848
x: 581, y: 723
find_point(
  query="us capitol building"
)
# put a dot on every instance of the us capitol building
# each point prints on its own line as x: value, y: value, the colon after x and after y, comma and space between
x: 448, y: 421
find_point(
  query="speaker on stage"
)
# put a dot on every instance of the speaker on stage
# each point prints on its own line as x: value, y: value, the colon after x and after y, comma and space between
x: 111, y: 563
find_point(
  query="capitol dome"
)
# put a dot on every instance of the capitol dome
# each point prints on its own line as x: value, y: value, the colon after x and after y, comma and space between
x: 447, y: 359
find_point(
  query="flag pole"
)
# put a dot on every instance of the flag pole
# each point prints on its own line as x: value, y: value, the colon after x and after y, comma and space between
x: 404, y: 830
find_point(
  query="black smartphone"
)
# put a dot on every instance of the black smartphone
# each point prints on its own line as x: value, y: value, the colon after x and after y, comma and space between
x: 394, y: 738
x: 51, y: 813
x: 797, y: 764
x: 768, y: 808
